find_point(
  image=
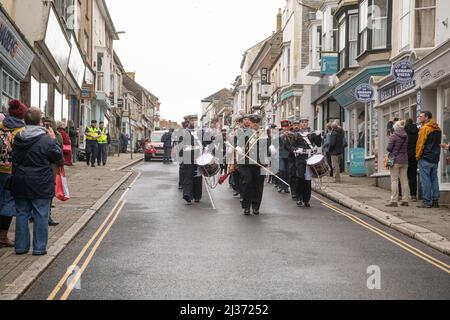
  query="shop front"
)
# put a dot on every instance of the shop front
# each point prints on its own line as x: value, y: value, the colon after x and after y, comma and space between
x: 16, y: 57
x: 433, y: 80
x: 357, y: 97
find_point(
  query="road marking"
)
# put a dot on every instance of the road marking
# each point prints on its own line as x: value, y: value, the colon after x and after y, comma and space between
x: 418, y: 253
x: 77, y: 276
x: 89, y: 243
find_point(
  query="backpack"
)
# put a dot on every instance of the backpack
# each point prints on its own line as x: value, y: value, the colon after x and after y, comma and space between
x: 6, y: 143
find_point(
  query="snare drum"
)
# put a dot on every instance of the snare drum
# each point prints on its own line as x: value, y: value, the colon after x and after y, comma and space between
x: 319, y: 166
x: 208, y: 165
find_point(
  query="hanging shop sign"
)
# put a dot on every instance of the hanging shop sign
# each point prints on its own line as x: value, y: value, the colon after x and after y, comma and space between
x: 329, y: 63
x: 364, y: 93
x: 264, y: 76
x: 403, y: 72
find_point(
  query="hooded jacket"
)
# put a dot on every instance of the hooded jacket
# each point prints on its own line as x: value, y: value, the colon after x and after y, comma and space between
x: 13, y: 126
x: 336, y: 147
x: 413, y: 135
x: 428, y: 144
x: 33, y: 154
x: 398, y: 146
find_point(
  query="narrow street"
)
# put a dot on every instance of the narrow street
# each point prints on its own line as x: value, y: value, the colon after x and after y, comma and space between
x: 156, y: 247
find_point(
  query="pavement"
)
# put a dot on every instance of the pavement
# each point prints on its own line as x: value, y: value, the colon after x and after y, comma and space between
x: 157, y: 247
x: 90, y: 188
x: 430, y: 226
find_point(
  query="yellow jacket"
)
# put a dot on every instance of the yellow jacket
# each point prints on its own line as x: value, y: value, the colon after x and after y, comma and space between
x: 424, y: 133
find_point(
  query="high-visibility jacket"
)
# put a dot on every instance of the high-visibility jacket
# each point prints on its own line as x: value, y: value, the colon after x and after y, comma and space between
x: 103, y: 138
x: 92, y: 134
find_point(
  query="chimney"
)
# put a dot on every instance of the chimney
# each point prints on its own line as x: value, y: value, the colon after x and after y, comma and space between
x: 279, y: 20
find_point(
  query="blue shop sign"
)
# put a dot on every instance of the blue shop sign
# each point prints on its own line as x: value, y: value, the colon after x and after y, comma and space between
x: 403, y: 72
x: 329, y: 64
x: 364, y: 93
x: 357, y: 162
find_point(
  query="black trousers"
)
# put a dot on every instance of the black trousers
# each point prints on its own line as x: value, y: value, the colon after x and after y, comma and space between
x: 412, y: 177
x: 181, y: 174
x: 102, y: 153
x: 5, y: 223
x: 293, y: 176
x: 91, y: 151
x: 192, y: 185
x: 235, y: 181
x: 330, y: 164
x: 252, y: 187
x: 304, y: 190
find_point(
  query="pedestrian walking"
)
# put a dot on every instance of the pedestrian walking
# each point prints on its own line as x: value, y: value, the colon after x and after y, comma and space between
x: 428, y: 154
x: 67, y: 143
x: 413, y: 135
x: 326, y: 147
x: 73, y: 134
x: 92, y: 134
x: 398, y: 163
x: 166, y: 139
x: 336, y: 148
x: 33, y: 185
x: 103, y: 141
x: 10, y: 126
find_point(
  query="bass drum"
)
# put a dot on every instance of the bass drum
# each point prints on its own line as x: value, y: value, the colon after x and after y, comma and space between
x: 208, y: 165
x: 319, y: 166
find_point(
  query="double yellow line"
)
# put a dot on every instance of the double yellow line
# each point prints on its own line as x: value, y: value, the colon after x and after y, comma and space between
x: 411, y: 249
x: 108, y: 222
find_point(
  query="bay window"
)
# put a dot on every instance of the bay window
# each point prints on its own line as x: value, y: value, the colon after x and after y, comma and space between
x: 353, y: 40
x: 342, y: 41
x: 379, y: 24
x: 405, y: 23
x: 363, y: 25
x: 374, y: 25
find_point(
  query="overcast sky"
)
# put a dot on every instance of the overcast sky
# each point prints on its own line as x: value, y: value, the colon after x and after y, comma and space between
x: 185, y: 50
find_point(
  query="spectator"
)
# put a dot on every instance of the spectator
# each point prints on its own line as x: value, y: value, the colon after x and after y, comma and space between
x: 73, y: 134
x: 33, y: 184
x: 9, y: 128
x: 167, y: 140
x: 336, y: 149
x: 413, y: 135
x: 124, y: 142
x: 50, y: 123
x: 428, y: 153
x: 326, y: 148
x: 398, y: 148
x: 67, y: 143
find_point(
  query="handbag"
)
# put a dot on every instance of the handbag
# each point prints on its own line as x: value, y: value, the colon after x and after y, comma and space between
x: 67, y: 148
x: 391, y: 158
x: 62, y: 186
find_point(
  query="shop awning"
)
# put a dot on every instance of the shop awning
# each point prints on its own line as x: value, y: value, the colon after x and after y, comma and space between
x: 345, y: 93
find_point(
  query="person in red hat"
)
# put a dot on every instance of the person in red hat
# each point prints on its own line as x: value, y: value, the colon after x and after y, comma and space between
x: 9, y: 128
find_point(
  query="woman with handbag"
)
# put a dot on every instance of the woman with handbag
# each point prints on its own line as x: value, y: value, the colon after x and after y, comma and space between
x: 398, y: 164
x: 67, y: 143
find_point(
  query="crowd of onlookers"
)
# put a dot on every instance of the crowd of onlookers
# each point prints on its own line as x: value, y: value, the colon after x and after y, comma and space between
x: 33, y: 151
x: 410, y: 150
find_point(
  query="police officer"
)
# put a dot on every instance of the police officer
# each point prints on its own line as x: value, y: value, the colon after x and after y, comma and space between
x: 192, y: 178
x: 92, y: 134
x: 304, y: 144
x: 251, y: 157
x: 103, y: 141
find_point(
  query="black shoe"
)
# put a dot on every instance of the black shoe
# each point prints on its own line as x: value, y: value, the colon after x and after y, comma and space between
x: 39, y: 254
x: 52, y: 223
x: 294, y: 198
x: 247, y: 212
x: 104, y: 164
x: 93, y: 166
x: 187, y: 199
x: 299, y: 204
x: 435, y: 205
x: 307, y: 205
x: 256, y: 212
x: 287, y: 191
x: 197, y: 200
x: 31, y: 220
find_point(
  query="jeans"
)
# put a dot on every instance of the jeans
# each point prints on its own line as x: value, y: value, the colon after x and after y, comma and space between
x: 430, y: 181
x: 74, y: 154
x: 38, y: 209
x: 399, y: 173
x: 167, y: 155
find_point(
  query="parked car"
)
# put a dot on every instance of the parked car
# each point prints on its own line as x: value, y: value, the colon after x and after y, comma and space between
x: 154, y: 149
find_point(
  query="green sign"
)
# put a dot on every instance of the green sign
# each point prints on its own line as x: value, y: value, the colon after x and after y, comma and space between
x: 329, y: 64
x: 357, y: 162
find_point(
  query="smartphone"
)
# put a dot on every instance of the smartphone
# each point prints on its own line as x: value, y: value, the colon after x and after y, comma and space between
x: 47, y: 125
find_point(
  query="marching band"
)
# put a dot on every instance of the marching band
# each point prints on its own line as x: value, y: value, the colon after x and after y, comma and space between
x: 248, y: 153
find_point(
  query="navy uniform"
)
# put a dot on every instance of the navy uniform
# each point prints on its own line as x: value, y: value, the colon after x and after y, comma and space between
x: 304, y: 144
x: 192, y: 179
x: 252, y: 177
